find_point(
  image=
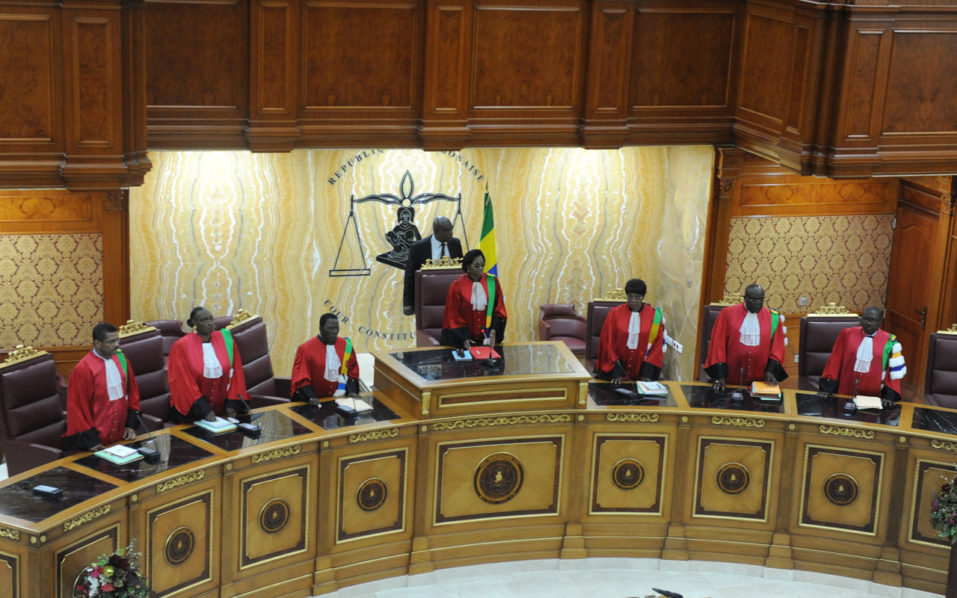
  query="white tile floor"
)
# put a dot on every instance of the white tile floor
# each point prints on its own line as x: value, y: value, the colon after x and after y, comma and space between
x: 621, y: 578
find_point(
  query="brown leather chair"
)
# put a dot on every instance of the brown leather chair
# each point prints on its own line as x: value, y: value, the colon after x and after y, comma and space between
x: 561, y: 322
x: 263, y: 386
x: 33, y: 422
x: 818, y: 333
x: 170, y: 330
x: 940, y: 386
x: 431, y: 290
x: 597, y: 312
x: 143, y: 347
x: 709, y: 317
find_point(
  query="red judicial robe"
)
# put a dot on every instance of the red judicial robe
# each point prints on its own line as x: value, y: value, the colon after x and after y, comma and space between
x: 309, y: 367
x: 459, y: 312
x: 88, y: 405
x: 738, y: 363
x: 839, y: 375
x: 643, y: 361
x: 186, y: 381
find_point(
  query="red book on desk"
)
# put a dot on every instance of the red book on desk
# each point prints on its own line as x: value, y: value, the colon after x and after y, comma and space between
x: 484, y: 353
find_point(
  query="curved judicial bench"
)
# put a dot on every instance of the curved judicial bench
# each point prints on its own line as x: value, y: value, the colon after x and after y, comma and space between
x: 450, y: 469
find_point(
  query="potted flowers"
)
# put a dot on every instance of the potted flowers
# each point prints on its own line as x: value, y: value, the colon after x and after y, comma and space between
x: 943, y: 516
x: 113, y: 576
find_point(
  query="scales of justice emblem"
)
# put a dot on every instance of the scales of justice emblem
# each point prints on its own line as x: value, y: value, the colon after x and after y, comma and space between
x: 400, y: 238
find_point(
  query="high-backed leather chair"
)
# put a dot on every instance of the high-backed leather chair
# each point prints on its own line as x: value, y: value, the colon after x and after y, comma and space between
x: 561, y: 322
x: 818, y: 333
x: 597, y: 312
x: 170, y: 330
x: 264, y: 388
x: 709, y: 317
x: 431, y: 289
x: 143, y: 347
x: 32, y: 422
x: 940, y: 386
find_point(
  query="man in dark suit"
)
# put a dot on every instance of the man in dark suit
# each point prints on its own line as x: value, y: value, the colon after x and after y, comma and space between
x: 439, y: 243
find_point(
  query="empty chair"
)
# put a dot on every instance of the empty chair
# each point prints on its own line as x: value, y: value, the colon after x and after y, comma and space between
x: 561, y: 322
x: 708, y: 318
x: 170, y: 330
x: 431, y: 289
x: 818, y: 333
x: 33, y: 422
x: 143, y: 347
x: 940, y: 386
x: 264, y: 388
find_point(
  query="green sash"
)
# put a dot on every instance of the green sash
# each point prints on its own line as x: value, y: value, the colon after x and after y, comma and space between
x: 228, y: 339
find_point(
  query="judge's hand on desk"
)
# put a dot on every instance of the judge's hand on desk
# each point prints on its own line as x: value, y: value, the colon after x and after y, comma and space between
x: 770, y: 379
x: 129, y: 433
x: 718, y: 386
x: 617, y: 380
x: 823, y: 394
x: 230, y: 412
x: 888, y: 403
x: 98, y: 447
x: 210, y: 417
x: 466, y: 344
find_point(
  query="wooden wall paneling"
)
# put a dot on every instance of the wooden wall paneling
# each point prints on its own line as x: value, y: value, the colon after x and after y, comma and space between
x: 795, y: 195
x: 362, y: 72
x: 948, y: 300
x: 446, y: 82
x: 197, y: 64
x: 93, y: 98
x: 779, y: 78
x: 134, y: 92
x: 273, y: 75
x: 606, y: 89
x: 527, y: 72
x: 31, y: 123
x: 681, y: 74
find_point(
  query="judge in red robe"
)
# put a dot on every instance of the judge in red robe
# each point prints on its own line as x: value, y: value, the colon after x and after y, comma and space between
x: 103, y: 401
x: 317, y: 371
x: 203, y: 381
x: 857, y: 364
x: 466, y: 306
x: 631, y: 345
x: 743, y: 347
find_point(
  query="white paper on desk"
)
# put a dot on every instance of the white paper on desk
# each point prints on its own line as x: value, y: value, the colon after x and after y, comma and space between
x: 120, y: 450
x: 868, y: 402
x: 358, y: 404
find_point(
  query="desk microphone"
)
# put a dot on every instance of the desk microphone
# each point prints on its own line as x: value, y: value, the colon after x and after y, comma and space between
x: 247, y: 428
x: 150, y: 454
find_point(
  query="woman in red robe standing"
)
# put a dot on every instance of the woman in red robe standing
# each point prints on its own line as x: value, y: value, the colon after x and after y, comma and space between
x: 205, y: 372
x: 475, y: 306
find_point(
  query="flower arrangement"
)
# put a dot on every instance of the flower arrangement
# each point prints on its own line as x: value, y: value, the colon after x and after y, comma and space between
x: 943, y: 512
x: 113, y: 576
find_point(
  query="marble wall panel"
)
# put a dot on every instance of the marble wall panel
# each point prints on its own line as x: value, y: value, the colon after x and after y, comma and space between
x: 841, y: 259
x: 51, y: 288
x: 274, y: 233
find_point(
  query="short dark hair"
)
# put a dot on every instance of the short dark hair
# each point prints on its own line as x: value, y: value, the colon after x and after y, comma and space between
x: 637, y: 286
x: 192, y: 314
x: 470, y: 257
x: 326, y: 317
x: 102, y: 329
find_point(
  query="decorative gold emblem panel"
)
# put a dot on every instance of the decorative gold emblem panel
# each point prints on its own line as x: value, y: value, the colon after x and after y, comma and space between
x: 841, y: 489
x: 372, y: 494
x: 733, y: 478
x: 179, y: 541
x: 275, y: 515
x: 627, y: 473
x: 74, y: 558
x: 498, y: 478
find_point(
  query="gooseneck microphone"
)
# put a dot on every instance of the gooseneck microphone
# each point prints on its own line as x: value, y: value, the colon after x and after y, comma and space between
x: 150, y: 454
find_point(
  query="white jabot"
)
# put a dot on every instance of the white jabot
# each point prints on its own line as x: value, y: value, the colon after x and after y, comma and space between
x: 212, y: 369
x: 865, y: 353
x: 114, y: 381
x: 750, y: 331
x: 634, y: 329
x: 332, y: 364
x: 479, y: 298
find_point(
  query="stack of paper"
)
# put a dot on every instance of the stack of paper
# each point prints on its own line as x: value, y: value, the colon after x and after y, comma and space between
x: 868, y: 402
x: 119, y: 454
x: 651, y: 388
x: 217, y: 426
x: 763, y: 390
x: 358, y: 405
